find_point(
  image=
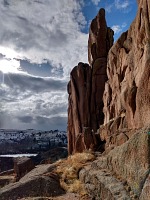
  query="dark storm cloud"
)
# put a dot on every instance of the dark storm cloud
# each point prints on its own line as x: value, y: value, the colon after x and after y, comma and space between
x: 33, y: 102
x: 51, y: 109
x: 1, y: 118
x: 44, y: 70
x: 58, y: 108
x: 22, y: 83
x: 25, y: 119
x: 52, y: 123
x: 6, y: 3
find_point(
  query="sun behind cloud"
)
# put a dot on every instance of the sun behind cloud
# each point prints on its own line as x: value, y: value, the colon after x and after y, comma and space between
x: 9, y: 66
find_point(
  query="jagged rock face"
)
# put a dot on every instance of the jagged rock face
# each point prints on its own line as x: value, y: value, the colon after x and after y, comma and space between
x: 127, y: 92
x: 100, y: 41
x: 123, y: 173
x: 79, y: 129
x: 100, y: 38
x: 86, y: 87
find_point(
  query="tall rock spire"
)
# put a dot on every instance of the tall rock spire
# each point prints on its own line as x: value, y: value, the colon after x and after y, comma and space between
x: 86, y: 87
x: 100, y: 41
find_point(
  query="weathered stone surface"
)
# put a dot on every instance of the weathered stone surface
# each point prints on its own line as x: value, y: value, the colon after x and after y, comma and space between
x: 128, y: 88
x: 121, y: 106
x: 35, y: 183
x: 100, y: 41
x: 100, y: 38
x: 146, y: 190
x: 114, y: 134
x: 129, y: 161
x: 100, y: 184
x: 79, y: 128
x: 22, y: 166
x: 86, y: 88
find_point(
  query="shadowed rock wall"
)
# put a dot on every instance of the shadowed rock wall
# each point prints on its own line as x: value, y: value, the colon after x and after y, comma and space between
x: 99, y: 43
x: 79, y: 90
x: 86, y: 87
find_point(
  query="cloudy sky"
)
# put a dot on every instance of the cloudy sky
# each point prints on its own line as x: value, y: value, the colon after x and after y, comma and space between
x: 40, y: 42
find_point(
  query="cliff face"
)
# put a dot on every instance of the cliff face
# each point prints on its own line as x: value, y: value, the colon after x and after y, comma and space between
x: 127, y: 92
x: 100, y: 41
x: 111, y: 99
x: 79, y: 88
x: 86, y: 87
x: 114, y: 91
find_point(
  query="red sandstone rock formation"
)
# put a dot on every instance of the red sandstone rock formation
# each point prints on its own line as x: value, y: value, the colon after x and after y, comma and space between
x: 127, y: 91
x: 79, y: 130
x: 100, y: 41
x: 123, y: 102
x: 86, y: 87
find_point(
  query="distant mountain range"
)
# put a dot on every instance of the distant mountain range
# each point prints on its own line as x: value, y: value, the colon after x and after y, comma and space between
x: 30, y: 140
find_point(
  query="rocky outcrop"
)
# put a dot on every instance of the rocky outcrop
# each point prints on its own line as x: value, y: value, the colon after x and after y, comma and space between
x: 79, y: 128
x: 123, y: 172
x: 86, y: 87
x: 100, y: 38
x: 118, y: 109
x: 100, y: 184
x: 39, y: 182
x: 22, y: 166
x: 100, y: 41
x: 127, y: 92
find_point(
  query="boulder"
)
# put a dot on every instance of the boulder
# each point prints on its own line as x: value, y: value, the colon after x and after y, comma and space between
x: 22, y: 165
x: 40, y: 182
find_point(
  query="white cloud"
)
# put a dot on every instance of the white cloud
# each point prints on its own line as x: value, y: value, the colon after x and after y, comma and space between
x: 108, y: 7
x: 96, y: 2
x: 38, y: 34
x: 122, y: 4
x: 44, y: 29
x: 33, y: 102
x: 118, y: 28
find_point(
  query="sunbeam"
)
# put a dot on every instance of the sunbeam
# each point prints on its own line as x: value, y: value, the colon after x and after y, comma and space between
x: 2, y: 78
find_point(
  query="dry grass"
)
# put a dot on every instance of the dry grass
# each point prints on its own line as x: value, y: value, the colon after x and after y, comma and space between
x: 68, y: 171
